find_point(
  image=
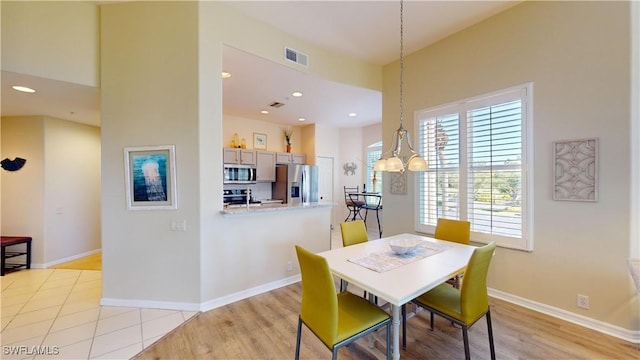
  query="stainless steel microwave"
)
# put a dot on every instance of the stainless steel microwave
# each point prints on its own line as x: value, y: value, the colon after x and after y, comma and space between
x: 239, y: 174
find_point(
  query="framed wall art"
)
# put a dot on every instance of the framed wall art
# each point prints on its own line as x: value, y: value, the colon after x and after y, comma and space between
x: 575, y: 173
x: 259, y: 141
x: 399, y: 183
x: 150, y: 177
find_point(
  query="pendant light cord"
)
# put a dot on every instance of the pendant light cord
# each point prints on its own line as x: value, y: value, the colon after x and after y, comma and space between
x: 401, y: 63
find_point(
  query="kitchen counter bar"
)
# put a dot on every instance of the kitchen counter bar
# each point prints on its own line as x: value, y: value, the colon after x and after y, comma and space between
x: 271, y: 208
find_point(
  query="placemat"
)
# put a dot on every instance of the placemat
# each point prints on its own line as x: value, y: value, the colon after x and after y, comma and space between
x: 382, y: 261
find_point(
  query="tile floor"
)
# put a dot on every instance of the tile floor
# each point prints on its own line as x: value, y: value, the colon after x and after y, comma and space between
x: 55, y: 314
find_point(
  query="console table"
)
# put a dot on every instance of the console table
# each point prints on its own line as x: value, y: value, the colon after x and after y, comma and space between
x: 10, y: 241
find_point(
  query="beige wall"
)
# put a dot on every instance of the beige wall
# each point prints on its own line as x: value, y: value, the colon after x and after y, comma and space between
x: 52, y: 39
x: 72, y: 190
x: 245, y: 128
x: 59, y: 184
x: 577, y: 55
x: 23, y: 195
x: 150, y: 97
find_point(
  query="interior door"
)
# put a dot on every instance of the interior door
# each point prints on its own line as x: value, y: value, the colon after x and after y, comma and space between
x: 325, y: 179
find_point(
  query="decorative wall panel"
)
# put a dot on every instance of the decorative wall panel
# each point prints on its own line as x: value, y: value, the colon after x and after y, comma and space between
x: 575, y: 174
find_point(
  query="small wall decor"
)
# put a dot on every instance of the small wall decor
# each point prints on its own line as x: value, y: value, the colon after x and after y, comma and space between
x: 399, y: 183
x: 13, y: 165
x: 150, y: 176
x: 350, y: 168
x: 259, y: 141
x: 575, y: 173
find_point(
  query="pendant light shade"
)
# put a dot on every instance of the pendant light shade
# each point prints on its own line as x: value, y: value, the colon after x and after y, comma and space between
x: 393, y: 159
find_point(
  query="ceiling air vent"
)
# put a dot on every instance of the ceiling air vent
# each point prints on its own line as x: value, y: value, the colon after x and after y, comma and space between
x: 296, y: 57
x: 276, y: 104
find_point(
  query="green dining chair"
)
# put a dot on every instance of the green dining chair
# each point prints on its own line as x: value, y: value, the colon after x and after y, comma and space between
x: 468, y: 304
x: 337, y: 319
x: 458, y: 231
x: 353, y: 232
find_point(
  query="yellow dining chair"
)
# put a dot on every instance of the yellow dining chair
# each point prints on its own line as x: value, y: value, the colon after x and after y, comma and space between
x: 353, y: 232
x: 336, y: 319
x: 456, y: 231
x: 468, y: 304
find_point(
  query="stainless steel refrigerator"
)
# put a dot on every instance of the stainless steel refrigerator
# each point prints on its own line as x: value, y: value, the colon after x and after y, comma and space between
x: 296, y: 184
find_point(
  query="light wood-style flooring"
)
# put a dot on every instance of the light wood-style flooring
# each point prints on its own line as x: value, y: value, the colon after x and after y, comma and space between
x: 264, y: 327
x: 91, y: 262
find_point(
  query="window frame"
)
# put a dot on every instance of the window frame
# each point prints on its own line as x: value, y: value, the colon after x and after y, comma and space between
x: 372, y: 148
x: 524, y: 92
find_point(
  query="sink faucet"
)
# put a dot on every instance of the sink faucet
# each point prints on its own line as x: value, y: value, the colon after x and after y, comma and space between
x: 248, y: 196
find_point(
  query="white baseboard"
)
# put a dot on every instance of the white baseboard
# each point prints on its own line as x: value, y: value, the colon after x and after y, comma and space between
x: 62, y: 261
x: 146, y: 304
x: 206, y: 306
x: 231, y: 298
x: 632, y: 336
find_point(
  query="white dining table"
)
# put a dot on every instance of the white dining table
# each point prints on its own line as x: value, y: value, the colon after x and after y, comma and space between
x: 403, y: 283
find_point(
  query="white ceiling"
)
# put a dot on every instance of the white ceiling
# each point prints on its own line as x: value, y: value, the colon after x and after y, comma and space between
x: 368, y: 30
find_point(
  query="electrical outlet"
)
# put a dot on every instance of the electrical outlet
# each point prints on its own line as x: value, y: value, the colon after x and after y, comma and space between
x: 289, y: 266
x: 582, y: 301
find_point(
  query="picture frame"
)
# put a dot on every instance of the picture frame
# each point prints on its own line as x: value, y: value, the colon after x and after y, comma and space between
x: 575, y: 172
x: 398, y: 183
x: 150, y: 177
x: 259, y: 141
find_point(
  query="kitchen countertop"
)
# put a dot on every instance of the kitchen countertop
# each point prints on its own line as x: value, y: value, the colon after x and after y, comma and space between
x: 270, y: 208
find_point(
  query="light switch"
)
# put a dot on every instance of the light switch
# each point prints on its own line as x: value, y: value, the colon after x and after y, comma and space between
x: 178, y: 225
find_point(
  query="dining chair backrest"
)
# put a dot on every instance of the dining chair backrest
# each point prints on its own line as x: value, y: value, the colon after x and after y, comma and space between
x: 453, y: 230
x: 350, y: 190
x: 319, y: 309
x: 353, y: 232
x: 474, y: 300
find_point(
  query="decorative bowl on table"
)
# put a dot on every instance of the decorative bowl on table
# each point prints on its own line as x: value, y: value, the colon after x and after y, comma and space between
x: 403, y: 246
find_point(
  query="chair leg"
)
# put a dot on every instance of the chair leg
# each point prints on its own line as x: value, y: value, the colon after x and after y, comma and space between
x: 298, y: 339
x: 378, y: 217
x: 465, y: 338
x: 431, y: 321
x: 404, y: 326
x: 389, y: 340
x: 490, y: 331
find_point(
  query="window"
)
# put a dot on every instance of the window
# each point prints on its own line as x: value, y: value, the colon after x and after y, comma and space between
x: 374, y: 152
x: 478, y: 166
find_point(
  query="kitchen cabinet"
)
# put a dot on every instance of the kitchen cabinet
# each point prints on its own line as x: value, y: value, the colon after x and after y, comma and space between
x: 265, y: 166
x: 239, y: 156
x: 289, y: 158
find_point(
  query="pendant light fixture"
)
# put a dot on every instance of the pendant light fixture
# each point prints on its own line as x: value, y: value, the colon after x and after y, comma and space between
x: 392, y: 160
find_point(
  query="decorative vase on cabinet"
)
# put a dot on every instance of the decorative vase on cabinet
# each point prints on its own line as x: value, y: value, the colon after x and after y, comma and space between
x: 288, y: 148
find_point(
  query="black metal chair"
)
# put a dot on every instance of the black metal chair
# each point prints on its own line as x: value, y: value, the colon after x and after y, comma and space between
x: 372, y: 201
x: 354, y: 205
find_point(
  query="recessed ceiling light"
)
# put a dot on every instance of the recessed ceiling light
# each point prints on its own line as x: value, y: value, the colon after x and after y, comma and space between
x: 264, y: 112
x: 23, y: 89
x: 301, y: 119
x: 296, y: 94
x: 353, y: 114
x: 226, y: 75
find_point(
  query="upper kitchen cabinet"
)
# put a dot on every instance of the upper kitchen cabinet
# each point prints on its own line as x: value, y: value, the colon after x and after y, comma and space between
x: 266, y: 166
x: 289, y: 158
x: 239, y: 156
